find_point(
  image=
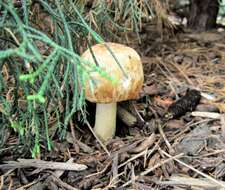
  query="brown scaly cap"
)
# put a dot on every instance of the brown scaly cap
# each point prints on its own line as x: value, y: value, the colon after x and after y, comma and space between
x: 126, y: 88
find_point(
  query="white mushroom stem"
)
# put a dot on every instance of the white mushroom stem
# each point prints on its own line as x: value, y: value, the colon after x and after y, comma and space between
x: 105, y: 121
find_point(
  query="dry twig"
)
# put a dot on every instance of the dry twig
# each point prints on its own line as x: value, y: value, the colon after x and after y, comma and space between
x: 27, y: 163
x: 206, y: 114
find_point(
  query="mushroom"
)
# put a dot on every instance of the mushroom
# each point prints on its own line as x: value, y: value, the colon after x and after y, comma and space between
x: 106, y: 94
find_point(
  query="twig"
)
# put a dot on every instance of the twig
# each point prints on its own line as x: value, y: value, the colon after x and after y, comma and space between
x: 207, y: 96
x: 222, y: 121
x: 10, y: 183
x: 187, y: 128
x: 183, y: 73
x: 139, y: 115
x: 210, y: 154
x: 195, y: 170
x: 173, y: 90
x: 189, y: 181
x: 115, y: 166
x: 114, y: 181
x: 2, y: 181
x: 100, y: 142
x: 13, y: 36
x: 172, y: 76
x: 115, y: 170
x: 61, y: 183
x: 27, y: 185
x: 99, y: 173
x: 206, y: 114
x: 76, y: 147
x: 171, y: 150
x: 2, y: 178
x: 26, y: 163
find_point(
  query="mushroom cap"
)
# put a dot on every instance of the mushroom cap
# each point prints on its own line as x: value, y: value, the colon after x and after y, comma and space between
x: 126, y: 88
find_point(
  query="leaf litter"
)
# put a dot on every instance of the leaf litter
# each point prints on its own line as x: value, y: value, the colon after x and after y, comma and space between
x: 186, y: 151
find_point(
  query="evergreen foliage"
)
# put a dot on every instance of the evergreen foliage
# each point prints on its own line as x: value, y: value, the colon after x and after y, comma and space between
x: 42, y: 75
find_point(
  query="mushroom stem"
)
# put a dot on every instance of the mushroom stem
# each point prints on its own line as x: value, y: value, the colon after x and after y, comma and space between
x: 105, y: 121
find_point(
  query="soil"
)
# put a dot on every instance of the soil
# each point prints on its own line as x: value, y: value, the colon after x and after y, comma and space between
x: 155, y: 152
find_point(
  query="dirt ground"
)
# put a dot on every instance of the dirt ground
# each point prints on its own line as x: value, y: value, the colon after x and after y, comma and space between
x: 172, y: 137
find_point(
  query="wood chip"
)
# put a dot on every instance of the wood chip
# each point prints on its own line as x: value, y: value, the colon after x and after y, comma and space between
x: 148, y: 142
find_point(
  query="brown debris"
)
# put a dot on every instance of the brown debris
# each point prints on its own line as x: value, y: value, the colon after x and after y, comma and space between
x: 145, y: 156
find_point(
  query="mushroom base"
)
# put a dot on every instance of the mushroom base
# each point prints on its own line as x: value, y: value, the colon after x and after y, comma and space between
x: 105, y: 121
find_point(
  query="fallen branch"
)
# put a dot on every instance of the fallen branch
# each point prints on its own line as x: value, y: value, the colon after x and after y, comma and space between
x: 27, y: 163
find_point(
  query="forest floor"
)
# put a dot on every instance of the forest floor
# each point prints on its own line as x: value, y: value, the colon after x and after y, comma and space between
x: 161, y: 143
